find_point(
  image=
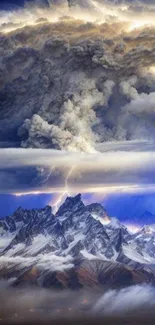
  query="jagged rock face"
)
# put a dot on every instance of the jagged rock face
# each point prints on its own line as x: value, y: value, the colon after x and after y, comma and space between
x: 88, y: 274
x: 97, y: 209
x: 72, y: 246
x: 71, y: 207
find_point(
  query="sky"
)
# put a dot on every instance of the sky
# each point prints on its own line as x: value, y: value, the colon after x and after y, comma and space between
x: 77, y: 93
x: 15, y: 2
x: 18, y: 2
x: 129, y: 209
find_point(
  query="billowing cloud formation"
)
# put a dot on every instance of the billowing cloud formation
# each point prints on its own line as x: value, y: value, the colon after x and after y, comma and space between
x: 43, y: 262
x: 117, y: 168
x: 78, y: 74
x: 121, y: 301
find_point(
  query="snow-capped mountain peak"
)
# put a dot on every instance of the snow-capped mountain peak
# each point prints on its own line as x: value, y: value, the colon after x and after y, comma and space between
x: 70, y: 206
x: 99, y: 213
x: 76, y: 232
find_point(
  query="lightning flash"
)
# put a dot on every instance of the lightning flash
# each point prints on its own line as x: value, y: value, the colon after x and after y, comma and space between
x: 66, y: 191
x: 44, y: 181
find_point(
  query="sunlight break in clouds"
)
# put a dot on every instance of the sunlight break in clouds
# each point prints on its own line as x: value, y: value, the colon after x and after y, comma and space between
x: 88, y: 11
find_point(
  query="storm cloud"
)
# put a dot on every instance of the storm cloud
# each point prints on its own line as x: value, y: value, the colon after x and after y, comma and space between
x: 77, y: 74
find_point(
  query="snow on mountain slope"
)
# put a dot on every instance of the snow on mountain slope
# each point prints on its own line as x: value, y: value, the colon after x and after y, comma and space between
x: 42, y: 241
x: 131, y: 252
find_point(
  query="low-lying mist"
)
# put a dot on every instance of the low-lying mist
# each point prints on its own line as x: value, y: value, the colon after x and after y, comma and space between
x: 31, y: 304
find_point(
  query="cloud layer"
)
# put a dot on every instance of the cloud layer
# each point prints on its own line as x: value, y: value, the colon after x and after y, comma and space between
x: 130, y: 305
x: 118, y: 168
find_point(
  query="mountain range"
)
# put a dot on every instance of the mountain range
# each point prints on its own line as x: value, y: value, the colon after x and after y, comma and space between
x: 79, y: 246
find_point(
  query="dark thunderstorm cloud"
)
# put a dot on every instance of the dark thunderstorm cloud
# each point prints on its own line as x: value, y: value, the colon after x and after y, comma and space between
x: 72, y: 84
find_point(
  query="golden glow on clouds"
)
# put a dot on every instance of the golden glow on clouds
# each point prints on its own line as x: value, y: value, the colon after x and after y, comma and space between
x: 133, y: 229
x: 152, y: 69
x: 27, y: 193
x: 97, y: 13
x: 139, y: 24
x: 104, y: 189
x: 105, y: 220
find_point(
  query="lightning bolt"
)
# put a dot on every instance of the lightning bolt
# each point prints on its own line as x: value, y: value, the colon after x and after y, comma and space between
x: 65, y: 192
x: 48, y: 176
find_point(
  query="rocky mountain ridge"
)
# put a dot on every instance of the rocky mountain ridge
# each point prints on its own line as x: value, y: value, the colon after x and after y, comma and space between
x: 80, y: 240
